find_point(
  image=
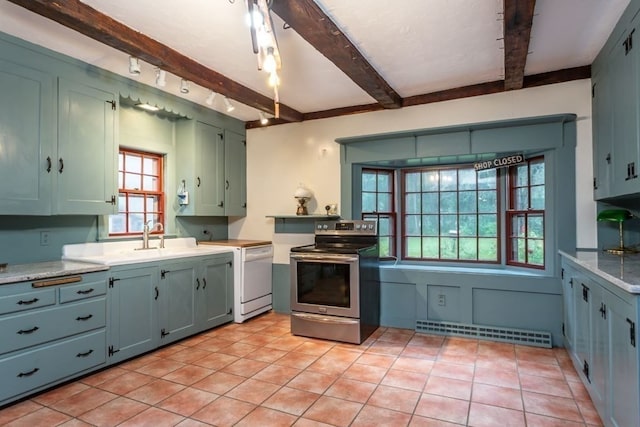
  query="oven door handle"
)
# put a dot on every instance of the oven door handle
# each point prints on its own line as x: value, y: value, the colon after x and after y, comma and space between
x: 324, y: 258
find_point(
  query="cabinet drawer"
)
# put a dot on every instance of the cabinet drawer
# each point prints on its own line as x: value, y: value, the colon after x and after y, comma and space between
x: 82, y: 291
x: 33, y: 328
x: 29, y: 370
x: 27, y: 301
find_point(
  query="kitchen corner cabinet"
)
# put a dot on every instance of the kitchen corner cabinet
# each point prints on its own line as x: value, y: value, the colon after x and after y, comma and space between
x: 212, y: 162
x: 177, y: 300
x: 601, y: 337
x: 132, y: 299
x: 616, y: 112
x: 50, y: 334
x: 215, y: 305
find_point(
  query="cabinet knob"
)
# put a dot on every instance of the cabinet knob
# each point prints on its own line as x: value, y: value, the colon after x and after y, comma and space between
x: 48, y: 164
x: 198, y: 184
x: 61, y: 163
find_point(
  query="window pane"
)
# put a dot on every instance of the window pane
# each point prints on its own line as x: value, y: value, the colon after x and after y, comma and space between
x: 384, y: 202
x: 368, y: 202
x: 468, y: 201
x: 518, y: 226
x: 448, y: 225
x: 537, y: 197
x: 468, y: 225
x: 412, y: 204
x: 536, y: 252
x: 487, y: 179
x: 488, y: 225
x: 369, y: 181
x: 150, y: 166
x: 384, y: 226
x: 153, y: 204
x: 487, y: 202
x: 412, y: 224
x: 117, y: 223
x: 522, y: 199
x: 536, y: 226
x: 430, y: 247
x: 467, y: 179
x: 413, y: 247
x: 537, y: 173
x: 150, y: 183
x: 448, y: 180
x: 412, y: 181
x: 522, y: 178
x: 384, y: 246
x: 430, y: 203
x: 120, y: 161
x: 136, y: 222
x: 122, y: 203
x: 488, y: 249
x: 518, y: 252
x: 430, y: 181
x: 136, y: 203
x: 449, y: 248
x: 430, y: 225
x: 133, y: 163
x: 468, y: 248
x: 132, y: 181
x: 448, y: 202
x: 120, y: 179
x: 384, y: 182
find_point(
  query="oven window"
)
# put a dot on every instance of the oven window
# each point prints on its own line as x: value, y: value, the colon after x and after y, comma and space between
x: 322, y: 283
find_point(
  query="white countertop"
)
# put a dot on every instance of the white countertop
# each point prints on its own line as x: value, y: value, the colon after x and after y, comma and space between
x: 622, y: 271
x: 46, y: 270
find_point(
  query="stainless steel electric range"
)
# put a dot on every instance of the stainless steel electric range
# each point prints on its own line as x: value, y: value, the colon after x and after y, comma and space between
x: 335, y: 284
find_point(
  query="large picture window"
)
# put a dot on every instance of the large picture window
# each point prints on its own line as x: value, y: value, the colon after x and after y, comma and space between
x: 141, y: 196
x: 451, y: 214
x: 525, y: 215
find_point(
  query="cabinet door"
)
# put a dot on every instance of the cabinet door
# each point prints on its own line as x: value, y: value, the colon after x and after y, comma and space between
x: 568, y: 299
x: 133, y: 324
x: 624, y: 89
x: 602, y: 135
x: 216, y: 298
x: 27, y: 140
x: 210, y: 179
x: 177, y: 300
x: 624, y: 399
x: 582, y: 295
x: 86, y: 150
x: 235, y: 167
x: 598, y: 370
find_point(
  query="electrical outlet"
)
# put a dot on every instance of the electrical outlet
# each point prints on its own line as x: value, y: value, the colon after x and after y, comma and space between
x: 44, y: 238
x: 442, y: 300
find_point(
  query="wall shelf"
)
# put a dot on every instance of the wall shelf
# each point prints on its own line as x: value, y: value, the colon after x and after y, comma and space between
x: 304, y: 217
x: 298, y: 223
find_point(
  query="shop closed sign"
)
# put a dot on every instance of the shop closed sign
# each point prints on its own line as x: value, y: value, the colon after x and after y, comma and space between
x: 499, y: 162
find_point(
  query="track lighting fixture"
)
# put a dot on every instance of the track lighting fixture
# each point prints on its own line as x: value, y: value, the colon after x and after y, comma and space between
x: 134, y: 66
x: 184, y: 86
x: 263, y: 118
x: 161, y: 78
x: 228, y: 105
x: 210, y: 98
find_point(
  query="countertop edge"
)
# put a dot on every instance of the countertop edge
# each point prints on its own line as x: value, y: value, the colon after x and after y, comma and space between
x: 46, y: 270
x: 620, y: 283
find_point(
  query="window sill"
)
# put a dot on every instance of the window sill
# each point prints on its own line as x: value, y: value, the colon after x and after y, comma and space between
x: 125, y: 238
x: 506, y: 271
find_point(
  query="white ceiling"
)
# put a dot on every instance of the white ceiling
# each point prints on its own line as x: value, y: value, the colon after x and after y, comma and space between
x: 417, y: 46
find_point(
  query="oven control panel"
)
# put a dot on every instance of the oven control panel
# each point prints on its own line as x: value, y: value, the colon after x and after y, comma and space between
x: 354, y: 227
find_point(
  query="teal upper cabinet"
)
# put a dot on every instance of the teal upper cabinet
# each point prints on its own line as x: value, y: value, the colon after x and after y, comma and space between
x: 213, y: 165
x: 86, y: 150
x: 235, y: 167
x: 27, y: 140
x: 616, y: 113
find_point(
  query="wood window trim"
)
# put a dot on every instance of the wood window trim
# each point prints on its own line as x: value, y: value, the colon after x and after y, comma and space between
x: 390, y: 214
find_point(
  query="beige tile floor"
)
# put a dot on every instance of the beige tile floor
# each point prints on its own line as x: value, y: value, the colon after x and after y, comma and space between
x: 258, y: 374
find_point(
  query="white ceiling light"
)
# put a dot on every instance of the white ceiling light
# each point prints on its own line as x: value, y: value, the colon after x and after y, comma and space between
x: 184, y: 86
x: 161, y: 78
x: 147, y: 107
x: 134, y: 66
x: 228, y: 105
x: 210, y: 98
x: 263, y: 118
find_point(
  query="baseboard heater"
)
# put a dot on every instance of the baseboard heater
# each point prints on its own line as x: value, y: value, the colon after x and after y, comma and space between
x: 510, y: 335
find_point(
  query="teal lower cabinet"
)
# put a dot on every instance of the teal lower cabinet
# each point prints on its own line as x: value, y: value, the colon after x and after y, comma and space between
x: 604, y: 345
x: 177, y: 300
x: 50, y: 332
x: 215, y: 301
x: 133, y: 309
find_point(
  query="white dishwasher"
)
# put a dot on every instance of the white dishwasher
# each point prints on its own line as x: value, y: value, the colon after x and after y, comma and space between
x: 252, y: 270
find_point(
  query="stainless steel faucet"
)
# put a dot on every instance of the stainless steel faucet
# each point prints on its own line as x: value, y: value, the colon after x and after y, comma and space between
x: 145, y: 234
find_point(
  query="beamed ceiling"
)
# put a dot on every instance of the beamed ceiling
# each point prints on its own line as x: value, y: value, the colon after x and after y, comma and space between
x: 339, y: 56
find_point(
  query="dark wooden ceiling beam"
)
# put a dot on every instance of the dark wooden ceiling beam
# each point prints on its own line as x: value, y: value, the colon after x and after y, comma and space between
x: 100, y: 27
x: 313, y: 25
x: 518, y: 18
